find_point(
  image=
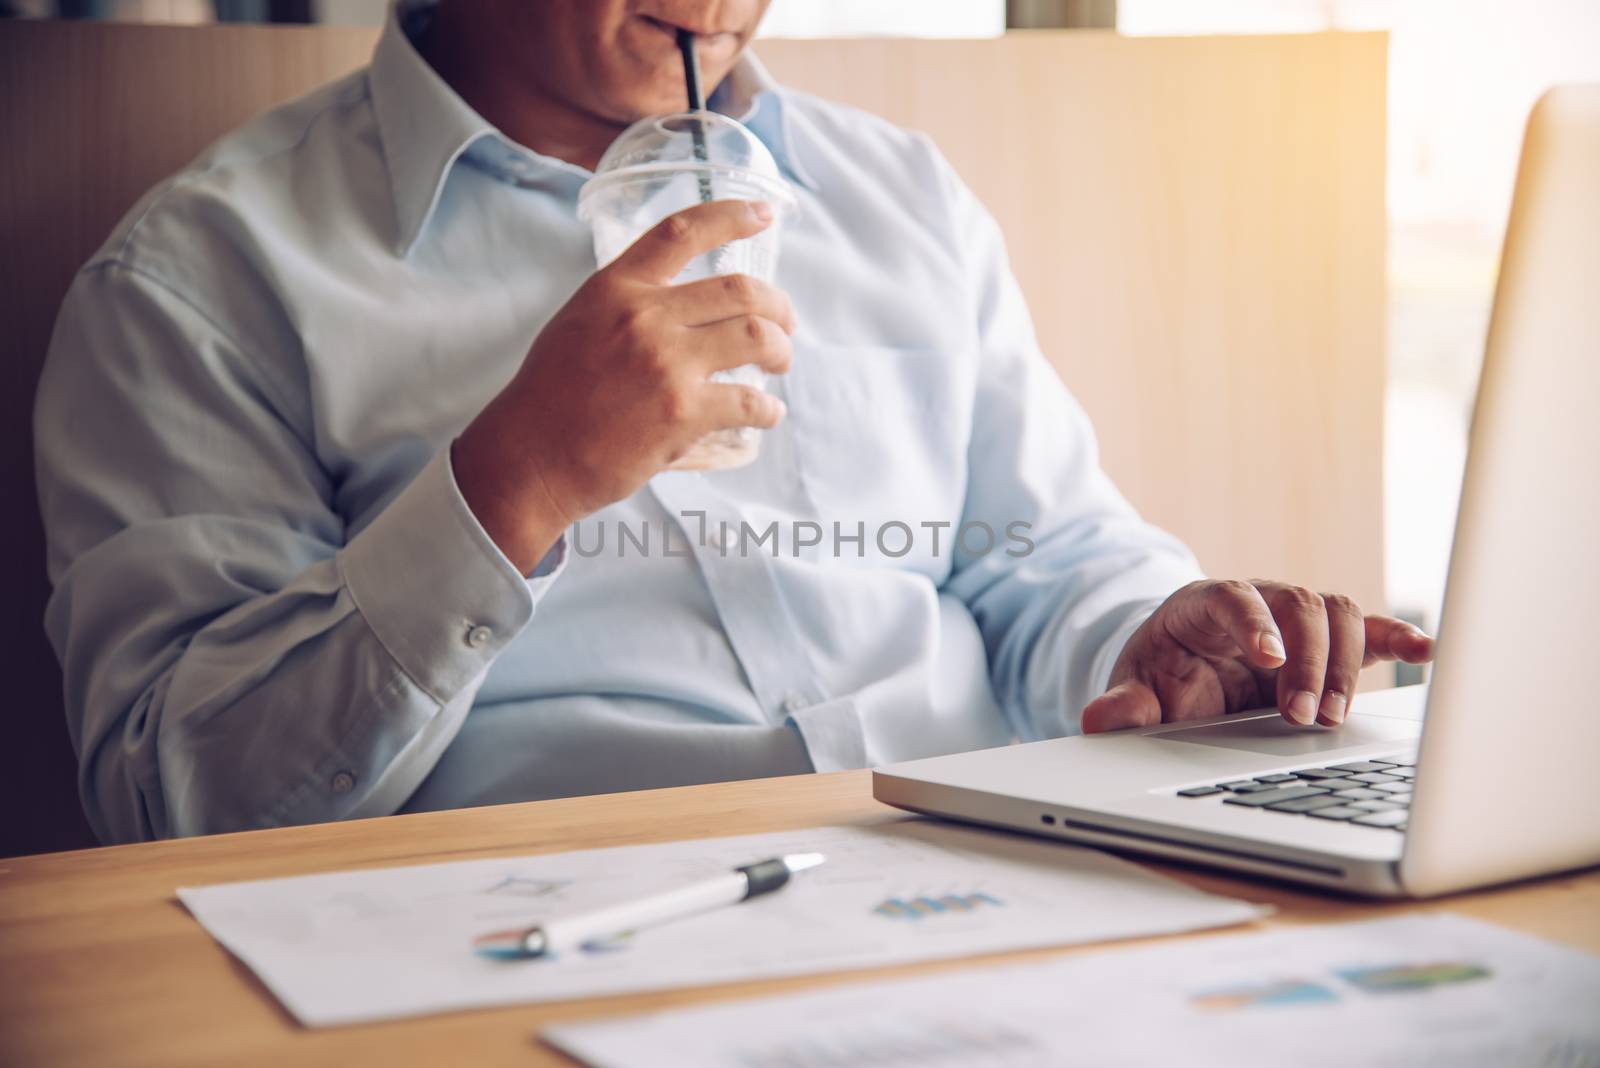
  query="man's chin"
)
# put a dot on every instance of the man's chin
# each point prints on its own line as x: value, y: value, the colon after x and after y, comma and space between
x: 661, y: 94
x: 624, y: 113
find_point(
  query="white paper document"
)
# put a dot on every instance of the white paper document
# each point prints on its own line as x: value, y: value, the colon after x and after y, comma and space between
x: 1408, y: 991
x: 366, y: 945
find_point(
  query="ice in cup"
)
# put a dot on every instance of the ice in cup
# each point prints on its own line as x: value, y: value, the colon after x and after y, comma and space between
x: 662, y: 165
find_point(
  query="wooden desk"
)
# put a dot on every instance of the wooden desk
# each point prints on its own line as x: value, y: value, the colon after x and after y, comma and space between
x: 99, y: 964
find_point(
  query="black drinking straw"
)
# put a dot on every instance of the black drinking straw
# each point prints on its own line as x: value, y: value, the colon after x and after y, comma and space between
x: 691, y: 69
x: 697, y: 102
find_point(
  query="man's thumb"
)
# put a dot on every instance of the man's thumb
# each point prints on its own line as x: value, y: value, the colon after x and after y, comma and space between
x: 1128, y: 704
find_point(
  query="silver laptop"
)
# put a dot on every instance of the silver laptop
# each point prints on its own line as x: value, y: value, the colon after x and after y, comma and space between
x: 1501, y: 779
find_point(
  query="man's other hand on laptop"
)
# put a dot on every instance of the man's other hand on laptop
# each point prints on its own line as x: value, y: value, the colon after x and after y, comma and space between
x: 1216, y: 647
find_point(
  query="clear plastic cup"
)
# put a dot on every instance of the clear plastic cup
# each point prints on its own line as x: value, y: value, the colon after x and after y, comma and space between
x: 662, y: 165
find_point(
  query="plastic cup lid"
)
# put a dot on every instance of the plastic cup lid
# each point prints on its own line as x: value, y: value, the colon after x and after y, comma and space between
x: 661, y: 145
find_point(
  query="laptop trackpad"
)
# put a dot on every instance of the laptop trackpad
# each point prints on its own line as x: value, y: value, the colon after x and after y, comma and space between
x: 1273, y: 736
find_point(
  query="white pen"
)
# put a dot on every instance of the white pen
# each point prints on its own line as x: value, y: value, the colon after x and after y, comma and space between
x: 571, y: 932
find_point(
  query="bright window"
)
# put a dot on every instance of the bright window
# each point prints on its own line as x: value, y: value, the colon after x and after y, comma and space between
x: 1463, y: 75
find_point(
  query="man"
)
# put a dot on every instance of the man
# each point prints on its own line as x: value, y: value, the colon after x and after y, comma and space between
x: 311, y: 493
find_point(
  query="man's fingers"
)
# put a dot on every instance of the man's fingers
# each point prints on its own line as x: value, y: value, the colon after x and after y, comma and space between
x: 1131, y: 704
x: 1393, y: 639
x: 1347, y: 645
x: 1303, y: 618
x: 1232, y: 618
x: 666, y: 248
x: 1243, y: 687
x: 729, y: 296
x: 726, y: 405
x: 736, y: 342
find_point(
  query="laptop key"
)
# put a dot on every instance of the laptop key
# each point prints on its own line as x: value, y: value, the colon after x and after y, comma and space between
x: 1376, y: 806
x: 1270, y: 797
x: 1395, y: 819
x: 1319, y: 773
x: 1304, y: 804
x: 1404, y: 773
x: 1337, y: 812
x: 1235, y: 784
x: 1360, y: 793
x: 1402, y: 760
x: 1200, y: 791
x: 1402, y: 786
x: 1358, y: 766
x: 1275, y: 778
x: 1253, y: 788
x: 1374, y: 778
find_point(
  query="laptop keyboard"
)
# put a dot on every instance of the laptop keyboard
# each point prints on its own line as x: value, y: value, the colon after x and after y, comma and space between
x: 1368, y: 793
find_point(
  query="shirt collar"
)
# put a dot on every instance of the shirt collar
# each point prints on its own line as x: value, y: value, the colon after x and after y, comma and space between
x: 751, y: 95
x: 425, y: 127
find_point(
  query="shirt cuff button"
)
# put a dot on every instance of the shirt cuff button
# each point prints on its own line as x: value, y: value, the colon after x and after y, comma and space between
x: 479, y: 636
x: 343, y: 782
x: 794, y: 703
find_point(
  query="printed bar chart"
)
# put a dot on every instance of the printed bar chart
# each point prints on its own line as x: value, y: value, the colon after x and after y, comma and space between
x: 1385, y: 979
x: 1401, y: 977
x: 915, y: 908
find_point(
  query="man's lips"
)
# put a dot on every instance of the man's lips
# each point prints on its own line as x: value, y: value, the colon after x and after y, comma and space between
x: 708, y: 37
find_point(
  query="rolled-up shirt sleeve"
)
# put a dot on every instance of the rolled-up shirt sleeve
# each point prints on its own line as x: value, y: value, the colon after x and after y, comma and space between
x: 235, y: 656
x: 1078, y: 570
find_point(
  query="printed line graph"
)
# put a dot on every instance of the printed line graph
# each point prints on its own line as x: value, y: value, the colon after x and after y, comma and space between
x: 520, y: 886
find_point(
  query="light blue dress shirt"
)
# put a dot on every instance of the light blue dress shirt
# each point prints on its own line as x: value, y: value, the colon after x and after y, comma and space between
x: 273, y: 606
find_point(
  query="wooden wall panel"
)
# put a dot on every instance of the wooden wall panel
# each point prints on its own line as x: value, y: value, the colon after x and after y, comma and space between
x: 1198, y: 224
x: 91, y: 116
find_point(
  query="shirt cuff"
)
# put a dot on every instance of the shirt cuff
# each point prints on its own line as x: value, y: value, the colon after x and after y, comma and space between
x: 1106, y: 659
x: 832, y: 734
x: 435, y: 588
